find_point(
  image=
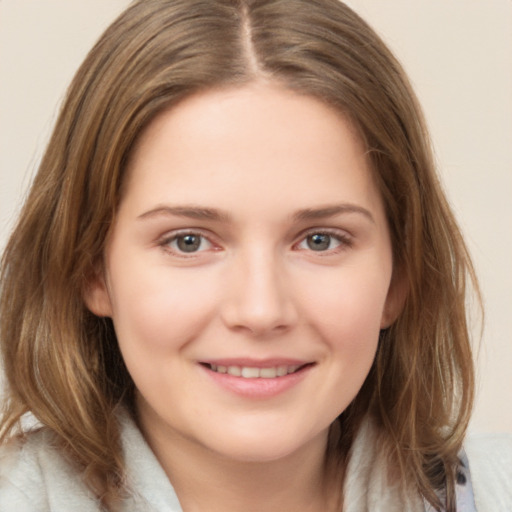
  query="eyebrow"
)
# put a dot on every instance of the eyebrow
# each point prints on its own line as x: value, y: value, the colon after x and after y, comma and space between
x: 331, y: 211
x: 213, y: 214
x: 189, y: 211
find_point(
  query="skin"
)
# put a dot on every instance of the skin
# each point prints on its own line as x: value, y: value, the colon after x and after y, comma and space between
x: 262, y: 159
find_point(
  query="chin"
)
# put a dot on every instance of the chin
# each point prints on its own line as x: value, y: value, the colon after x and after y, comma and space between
x: 264, y: 446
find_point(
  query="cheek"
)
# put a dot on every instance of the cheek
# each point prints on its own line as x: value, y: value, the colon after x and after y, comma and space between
x: 348, y: 320
x: 349, y: 304
x: 346, y: 311
x: 158, y: 310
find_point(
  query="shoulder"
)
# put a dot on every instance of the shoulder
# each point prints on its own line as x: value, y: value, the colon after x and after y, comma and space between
x: 34, y: 477
x: 490, y: 464
x: 21, y: 478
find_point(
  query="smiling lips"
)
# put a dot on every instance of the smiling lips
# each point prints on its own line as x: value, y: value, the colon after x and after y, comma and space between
x: 257, y: 380
x: 251, y: 372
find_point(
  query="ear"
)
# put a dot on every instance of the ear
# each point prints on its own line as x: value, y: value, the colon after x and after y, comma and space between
x: 395, y: 299
x: 96, y: 296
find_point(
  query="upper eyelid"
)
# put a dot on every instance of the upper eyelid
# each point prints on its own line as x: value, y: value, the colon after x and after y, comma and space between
x: 174, y: 233
x: 342, y: 233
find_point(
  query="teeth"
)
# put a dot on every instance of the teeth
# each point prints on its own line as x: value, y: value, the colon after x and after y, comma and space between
x: 282, y: 370
x: 235, y: 371
x: 268, y: 373
x: 248, y: 372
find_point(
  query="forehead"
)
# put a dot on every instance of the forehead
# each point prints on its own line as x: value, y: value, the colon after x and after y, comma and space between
x: 259, y: 142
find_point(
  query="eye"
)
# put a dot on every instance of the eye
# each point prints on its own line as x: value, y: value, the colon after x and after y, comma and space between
x: 321, y: 241
x: 187, y: 243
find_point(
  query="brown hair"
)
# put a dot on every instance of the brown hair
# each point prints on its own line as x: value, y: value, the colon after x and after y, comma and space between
x: 62, y: 363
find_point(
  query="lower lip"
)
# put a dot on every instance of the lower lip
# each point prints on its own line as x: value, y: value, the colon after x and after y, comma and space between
x: 258, y: 388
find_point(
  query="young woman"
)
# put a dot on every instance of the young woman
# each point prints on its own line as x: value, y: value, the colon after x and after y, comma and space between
x: 236, y: 283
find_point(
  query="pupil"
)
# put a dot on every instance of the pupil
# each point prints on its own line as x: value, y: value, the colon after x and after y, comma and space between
x: 189, y: 243
x: 319, y: 242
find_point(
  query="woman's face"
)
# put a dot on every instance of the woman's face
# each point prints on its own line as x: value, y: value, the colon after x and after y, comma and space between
x: 248, y: 272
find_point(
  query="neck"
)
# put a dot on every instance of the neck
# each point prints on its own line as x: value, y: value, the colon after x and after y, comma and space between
x: 208, y: 481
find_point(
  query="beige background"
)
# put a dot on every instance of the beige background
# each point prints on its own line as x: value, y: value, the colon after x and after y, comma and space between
x: 458, y: 54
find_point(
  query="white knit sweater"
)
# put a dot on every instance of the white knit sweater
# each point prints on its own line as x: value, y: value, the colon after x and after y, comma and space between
x: 34, y: 477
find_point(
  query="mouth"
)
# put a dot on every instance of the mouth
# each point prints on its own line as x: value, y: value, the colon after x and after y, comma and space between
x: 254, y: 372
x: 257, y: 379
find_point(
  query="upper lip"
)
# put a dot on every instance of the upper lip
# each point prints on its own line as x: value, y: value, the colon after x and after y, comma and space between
x: 256, y: 363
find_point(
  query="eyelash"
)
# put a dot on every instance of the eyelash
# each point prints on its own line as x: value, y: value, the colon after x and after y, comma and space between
x: 343, y: 239
x: 344, y: 242
x: 166, y: 242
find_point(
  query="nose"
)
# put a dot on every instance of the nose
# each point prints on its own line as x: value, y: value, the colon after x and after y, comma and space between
x: 259, y: 296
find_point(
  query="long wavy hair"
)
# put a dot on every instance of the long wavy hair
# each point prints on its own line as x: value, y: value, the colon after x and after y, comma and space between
x: 62, y: 363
